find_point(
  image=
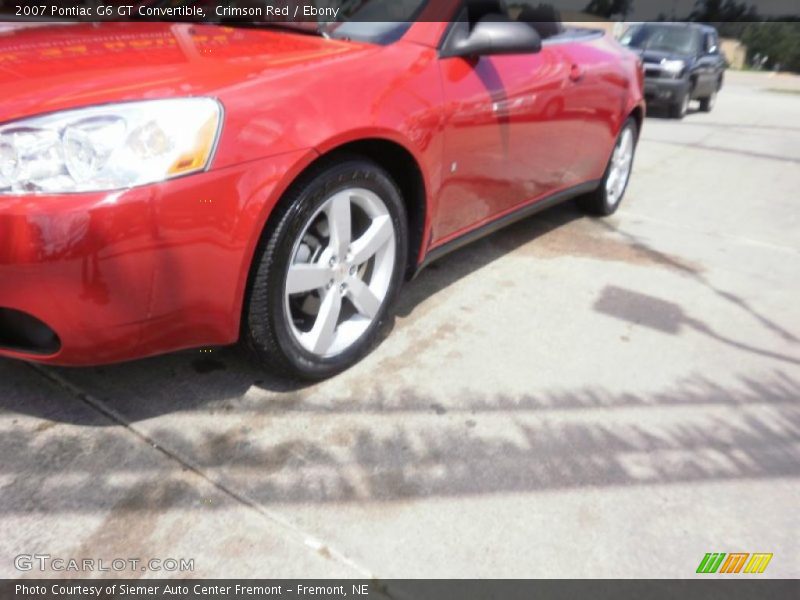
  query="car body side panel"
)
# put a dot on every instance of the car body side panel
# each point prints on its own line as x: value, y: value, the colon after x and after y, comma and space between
x: 610, y: 89
x: 504, y: 141
x: 519, y: 129
x: 708, y: 71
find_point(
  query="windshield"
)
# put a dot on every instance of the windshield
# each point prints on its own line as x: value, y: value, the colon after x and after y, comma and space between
x: 667, y: 38
x: 374, y: 21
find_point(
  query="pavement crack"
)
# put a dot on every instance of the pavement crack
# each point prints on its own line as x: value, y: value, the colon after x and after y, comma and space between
x: 713, y: 234
x: 295, y: 533
x: 746, y: 153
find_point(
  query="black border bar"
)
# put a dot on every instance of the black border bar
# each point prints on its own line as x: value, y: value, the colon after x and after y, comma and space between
x: 711, y: 11
x: 713, y: 588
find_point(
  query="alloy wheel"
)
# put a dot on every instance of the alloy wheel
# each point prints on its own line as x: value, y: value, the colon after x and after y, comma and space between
x: 340, y: 272
x: 620, y: 169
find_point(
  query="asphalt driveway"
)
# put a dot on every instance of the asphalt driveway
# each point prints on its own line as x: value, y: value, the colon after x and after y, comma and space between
x: 567, y: 398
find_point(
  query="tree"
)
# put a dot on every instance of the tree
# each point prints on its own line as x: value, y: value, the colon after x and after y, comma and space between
x: 779, y: 41
x: 728, y: 16
x: 608, y: 8
x: 723, y: 11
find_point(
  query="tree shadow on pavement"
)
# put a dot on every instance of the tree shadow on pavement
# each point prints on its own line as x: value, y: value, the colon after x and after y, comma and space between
x: 700, y: 278
x: 669, y: 317
x: 696, y: 431
x: 270, y: 442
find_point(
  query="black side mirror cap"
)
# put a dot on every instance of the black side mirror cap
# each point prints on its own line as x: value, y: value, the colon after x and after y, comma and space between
x: 495, y: 34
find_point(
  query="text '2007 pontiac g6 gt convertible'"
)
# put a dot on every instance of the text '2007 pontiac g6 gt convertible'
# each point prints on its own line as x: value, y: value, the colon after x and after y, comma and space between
x: 166, y: 186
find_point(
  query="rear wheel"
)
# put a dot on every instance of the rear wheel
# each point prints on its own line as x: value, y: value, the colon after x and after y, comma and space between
x: 606, y: 198
x: 328, y: 271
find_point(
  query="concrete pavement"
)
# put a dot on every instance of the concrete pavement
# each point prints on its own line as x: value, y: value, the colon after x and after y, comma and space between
x: 569, y: 397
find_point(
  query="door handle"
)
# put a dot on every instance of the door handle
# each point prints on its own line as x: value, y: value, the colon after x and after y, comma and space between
x: 576, y: 72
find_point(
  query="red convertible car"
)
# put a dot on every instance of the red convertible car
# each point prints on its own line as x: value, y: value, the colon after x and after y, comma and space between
x: 174, y: 185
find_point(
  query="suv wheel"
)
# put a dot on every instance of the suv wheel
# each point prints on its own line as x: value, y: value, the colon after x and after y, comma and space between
x: 679, y: 108
x: 328, y: 270
x: 707, y: 103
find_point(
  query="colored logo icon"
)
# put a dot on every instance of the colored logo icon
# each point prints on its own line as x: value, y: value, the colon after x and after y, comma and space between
x: 716, y: 562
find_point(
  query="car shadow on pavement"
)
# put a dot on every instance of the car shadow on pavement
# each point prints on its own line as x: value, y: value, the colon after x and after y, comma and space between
x: 449, y: 269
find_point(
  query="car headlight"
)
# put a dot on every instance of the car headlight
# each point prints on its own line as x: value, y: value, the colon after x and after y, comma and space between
x: 108, y: 147
x: 673, y: 68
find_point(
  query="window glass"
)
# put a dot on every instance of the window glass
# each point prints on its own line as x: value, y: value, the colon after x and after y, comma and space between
x: 666, y: 38
x: 375, y: 21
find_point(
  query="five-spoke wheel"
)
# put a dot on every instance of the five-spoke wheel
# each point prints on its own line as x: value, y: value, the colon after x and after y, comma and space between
x: 606, y: 198
x: 330, y: 264
x: 341, y: 269
x: 620, y: 169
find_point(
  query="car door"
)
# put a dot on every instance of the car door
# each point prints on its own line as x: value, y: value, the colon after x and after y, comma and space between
x: 707, y: 63
x: 507, y: 135
x: 716, y: 63
x: 598, y: 92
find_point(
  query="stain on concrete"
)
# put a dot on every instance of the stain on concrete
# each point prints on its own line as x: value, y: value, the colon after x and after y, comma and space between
x: 420, y: 342
x: 583, y: 239
x: 223, y: 447
x: 341, y: 438
x: 112, y: 538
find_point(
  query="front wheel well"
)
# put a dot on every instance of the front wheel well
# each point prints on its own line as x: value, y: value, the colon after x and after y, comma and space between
x: 406, y: 173
x: 693, y: 79
x: 402, y: 167
x: 638, y: 114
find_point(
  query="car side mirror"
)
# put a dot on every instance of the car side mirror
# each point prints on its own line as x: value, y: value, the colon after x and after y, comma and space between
x: 495, y: 34
x: 712, y: 50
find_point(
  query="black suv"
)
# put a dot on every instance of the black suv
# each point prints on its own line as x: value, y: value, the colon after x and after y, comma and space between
x: 682, y: 62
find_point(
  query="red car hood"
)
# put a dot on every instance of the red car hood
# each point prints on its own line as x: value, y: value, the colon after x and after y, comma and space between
x: 45, y: 68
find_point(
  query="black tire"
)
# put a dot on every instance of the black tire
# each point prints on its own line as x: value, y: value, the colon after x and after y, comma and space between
x: 707, y: 103
x: 597, y: 202
x: 679, y: 108
x: 265, y: 328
